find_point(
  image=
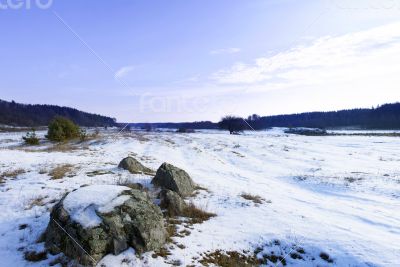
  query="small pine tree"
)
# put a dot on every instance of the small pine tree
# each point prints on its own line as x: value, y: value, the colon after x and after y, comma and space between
x: 30, y: 138
x: 62, y: 129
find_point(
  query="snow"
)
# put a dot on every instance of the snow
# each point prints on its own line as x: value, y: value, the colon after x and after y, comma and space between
x: 334, y: 194
x: 83, y: 203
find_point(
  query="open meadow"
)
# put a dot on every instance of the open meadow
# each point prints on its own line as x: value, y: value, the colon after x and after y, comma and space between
x: 278, y: 198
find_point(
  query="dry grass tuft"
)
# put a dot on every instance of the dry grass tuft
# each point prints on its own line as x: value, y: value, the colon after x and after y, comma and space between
x: 161, y: 252
x: 197, y: 190
x: 60, y: 171
x: 229, y: 259
x: 171, y: 227
x: 12, y: 173
x: 98, y: 172
x: 196, y: 215
x: 34, y: 256
x: 39, y: 201
x: 256, y: 199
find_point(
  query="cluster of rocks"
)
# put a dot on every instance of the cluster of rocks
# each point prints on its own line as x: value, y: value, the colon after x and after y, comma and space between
x: 130, y: 219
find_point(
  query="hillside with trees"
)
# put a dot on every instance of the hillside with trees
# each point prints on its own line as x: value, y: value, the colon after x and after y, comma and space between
x: 383, y: 117
x: 16, y: 114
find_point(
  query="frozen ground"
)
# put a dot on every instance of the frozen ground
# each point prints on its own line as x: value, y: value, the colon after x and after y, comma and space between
x: 339, y: 195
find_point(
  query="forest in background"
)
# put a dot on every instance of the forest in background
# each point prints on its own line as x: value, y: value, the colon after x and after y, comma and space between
x: 386, y: 116
x: 15, y: 114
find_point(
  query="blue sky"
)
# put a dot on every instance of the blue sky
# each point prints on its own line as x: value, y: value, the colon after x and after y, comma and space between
x: 189, y: 60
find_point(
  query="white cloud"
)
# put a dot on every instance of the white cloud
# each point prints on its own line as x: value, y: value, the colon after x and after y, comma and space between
x: 359, y: 69
x: 122, y: 72
x: 360, y: 55
x: 231, y: 50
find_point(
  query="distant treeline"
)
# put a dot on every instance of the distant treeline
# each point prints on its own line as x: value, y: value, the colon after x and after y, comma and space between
x: 383, y: 117
x: 16, y: 114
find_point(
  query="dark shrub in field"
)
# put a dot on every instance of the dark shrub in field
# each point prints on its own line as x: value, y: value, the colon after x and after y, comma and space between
x: 233, y: 124
x: 62, y: 129
x: 30, y: 138
x: 184, y: 130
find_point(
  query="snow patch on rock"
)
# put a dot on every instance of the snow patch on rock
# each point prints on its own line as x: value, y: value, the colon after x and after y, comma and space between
x: 83, y: 204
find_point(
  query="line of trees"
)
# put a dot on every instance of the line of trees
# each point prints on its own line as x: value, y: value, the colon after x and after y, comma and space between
x: 383, y: 117
x: 16, y: 114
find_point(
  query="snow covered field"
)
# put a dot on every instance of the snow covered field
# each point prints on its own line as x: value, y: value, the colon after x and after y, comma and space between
x: 336, y: 195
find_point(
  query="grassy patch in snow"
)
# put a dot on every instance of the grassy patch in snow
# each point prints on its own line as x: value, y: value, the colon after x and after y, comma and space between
x: 11, y: 174
x: 98, y: 172
x: 229, y: 259
x: 255, y: 198
x: 276, y: 253
x: 39, y: 201
x: 34, y: 256
x: 196, y: 214
x: 60, y: 171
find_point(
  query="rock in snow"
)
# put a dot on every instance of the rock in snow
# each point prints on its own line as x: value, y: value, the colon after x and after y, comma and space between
x: 104, y: 219
x: 175, y: 179
x: 134, y: 166
x: 172, y: 202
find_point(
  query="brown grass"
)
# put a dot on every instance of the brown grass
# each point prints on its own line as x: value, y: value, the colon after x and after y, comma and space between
x: 229, y: 259
x: 197, y: 190
x: 161, y: 252
x: 171, y: 227
x: 98, y: 172
x: 184, y: 233
x: 196, y: 215
x: 256, y: 199
x: 60, y: 171
x: 39, y: 201
x: 11, y: 174
x: 34, y: 256
x: 57, y: 147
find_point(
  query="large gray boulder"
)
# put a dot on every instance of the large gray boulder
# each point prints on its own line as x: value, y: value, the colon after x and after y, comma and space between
x: 93, y: 221
x: 134, y: 166
x: 175, y: 179
x: 172, y: 202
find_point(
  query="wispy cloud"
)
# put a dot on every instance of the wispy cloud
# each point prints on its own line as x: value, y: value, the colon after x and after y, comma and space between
x: 359, y: 69
x: 357, y: 55
x: 230, y: 50
x: 124, y: 71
